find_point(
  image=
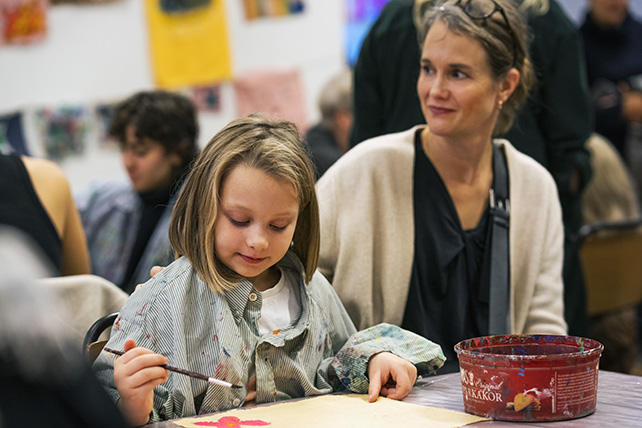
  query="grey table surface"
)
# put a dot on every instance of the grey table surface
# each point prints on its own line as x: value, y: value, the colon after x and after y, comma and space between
x: 619, y: 402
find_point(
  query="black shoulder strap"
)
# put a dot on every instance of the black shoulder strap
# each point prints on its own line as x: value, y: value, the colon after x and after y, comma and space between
x: 499, y: 302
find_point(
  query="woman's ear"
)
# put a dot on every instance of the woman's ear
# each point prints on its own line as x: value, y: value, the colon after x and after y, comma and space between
x: 509, y: 84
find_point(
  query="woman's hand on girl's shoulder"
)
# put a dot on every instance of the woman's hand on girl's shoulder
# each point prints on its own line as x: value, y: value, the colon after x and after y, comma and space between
x: 390, y: 376
x: 136, y: 373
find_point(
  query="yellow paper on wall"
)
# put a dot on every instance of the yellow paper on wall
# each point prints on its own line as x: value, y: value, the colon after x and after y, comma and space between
x: 188, y: 48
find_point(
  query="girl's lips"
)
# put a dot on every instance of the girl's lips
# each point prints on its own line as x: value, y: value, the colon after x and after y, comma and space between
x: 251, y: 260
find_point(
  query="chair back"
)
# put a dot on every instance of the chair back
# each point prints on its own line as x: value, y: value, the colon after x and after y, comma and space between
x: 611, y: 256
x: 91, y: 344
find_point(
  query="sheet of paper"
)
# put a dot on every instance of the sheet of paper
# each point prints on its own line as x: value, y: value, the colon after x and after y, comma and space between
x: 336, y: 411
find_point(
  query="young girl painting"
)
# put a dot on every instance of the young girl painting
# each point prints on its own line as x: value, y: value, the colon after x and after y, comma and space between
x: 243, y: 302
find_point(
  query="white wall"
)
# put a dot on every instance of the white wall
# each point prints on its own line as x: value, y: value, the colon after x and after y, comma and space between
x: 99, y: 53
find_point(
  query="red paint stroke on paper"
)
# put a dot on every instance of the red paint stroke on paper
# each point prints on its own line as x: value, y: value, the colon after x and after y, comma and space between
x: 231, y: 422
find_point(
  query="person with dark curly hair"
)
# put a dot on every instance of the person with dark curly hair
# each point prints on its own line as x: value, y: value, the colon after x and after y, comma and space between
x: 126, y: 223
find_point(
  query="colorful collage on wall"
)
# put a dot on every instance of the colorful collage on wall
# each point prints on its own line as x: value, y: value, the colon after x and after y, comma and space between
x: 361, y: 15
x: 207, y: 98
x: 103, y: 113
x: 55, y: 2
x: 12, y: 137
x: 271, y: 8
x: 22, y: 21
x: 191, y: 47
x: 63, y: 130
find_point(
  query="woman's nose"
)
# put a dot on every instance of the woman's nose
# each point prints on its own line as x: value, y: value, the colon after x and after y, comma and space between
x: 439, y: 87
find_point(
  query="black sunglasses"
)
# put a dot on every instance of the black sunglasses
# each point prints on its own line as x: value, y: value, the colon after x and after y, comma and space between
x: 484, y: 9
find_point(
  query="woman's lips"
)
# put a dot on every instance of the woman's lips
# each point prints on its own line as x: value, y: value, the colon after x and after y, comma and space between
x: 439, y: 110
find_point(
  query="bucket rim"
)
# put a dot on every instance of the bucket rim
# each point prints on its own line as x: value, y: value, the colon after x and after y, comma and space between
x: 594, y: 347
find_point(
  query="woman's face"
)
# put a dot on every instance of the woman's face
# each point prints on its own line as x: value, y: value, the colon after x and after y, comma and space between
x: 255, y: 223
x: 457, y: 93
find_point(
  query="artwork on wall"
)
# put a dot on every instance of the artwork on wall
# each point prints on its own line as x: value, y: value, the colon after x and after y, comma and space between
x: 63, y: 130
x: 361, y: 15
x: 56, y: 2
x: 207, y: 98
x: 23, y: 21
x: 12, y: 138
x: 189, y: 48
x: 270, y: 8
x: 181, y: 6
x: 275, y: 93
x: 103, y: 113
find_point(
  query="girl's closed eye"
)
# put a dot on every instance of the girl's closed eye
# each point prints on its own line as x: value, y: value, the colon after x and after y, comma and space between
x: 239, y: 223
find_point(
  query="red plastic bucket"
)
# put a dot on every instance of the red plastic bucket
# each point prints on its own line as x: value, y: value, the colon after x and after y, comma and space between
x: 529, y: 377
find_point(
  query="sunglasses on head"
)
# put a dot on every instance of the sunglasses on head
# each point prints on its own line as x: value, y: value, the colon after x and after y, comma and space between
x: 483, y: 10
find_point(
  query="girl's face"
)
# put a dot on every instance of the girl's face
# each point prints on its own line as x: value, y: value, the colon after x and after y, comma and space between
x: 255, y: 224
x: 457, y: 93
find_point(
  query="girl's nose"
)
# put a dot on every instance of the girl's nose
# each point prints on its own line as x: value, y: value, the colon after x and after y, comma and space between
x: 257, y: 239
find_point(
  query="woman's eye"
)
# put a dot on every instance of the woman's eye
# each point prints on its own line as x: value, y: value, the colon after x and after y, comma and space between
x: 278, y: 228
x: 426, y: 69
x: 458, y: 74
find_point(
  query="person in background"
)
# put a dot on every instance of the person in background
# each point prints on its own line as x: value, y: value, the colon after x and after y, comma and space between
x: 126, y: 223
x: 329, y: 139
x: 613, y: 50
x: 408, y: 220
x: 611, y: 197
x: 246, y: 229
x: 550, y: 128
x: 35, y: 198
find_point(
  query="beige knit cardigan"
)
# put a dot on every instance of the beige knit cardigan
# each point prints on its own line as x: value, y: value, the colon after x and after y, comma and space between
x: 367, y: 235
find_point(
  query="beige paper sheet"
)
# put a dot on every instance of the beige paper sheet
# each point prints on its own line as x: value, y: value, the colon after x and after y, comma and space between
x: 336, y: 411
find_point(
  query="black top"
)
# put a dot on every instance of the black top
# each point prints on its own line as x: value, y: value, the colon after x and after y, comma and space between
x: 324, y: 149
x: 613, y: 57
x: 21, y: 208
x: 154, y: 204
x: 449, y: 287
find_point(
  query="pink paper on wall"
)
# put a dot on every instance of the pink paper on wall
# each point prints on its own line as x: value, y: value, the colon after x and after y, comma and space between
x: 275, y: 93
x: 23, y: 21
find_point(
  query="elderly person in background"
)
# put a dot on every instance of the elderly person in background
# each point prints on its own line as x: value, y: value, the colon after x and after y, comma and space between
x: 328, y: 140
x: 412, y: 231
x: 127, y: 223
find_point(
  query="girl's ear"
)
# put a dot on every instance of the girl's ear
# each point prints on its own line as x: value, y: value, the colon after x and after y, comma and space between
x: 509, y: 84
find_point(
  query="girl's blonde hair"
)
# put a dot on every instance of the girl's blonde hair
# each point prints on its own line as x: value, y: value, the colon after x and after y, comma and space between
x: 271, y: 146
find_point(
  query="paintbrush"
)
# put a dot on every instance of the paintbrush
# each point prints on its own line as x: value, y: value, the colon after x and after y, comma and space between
x: 185, y: 372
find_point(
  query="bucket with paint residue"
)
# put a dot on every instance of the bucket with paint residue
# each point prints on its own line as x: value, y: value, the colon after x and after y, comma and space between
x: 529, y: 377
